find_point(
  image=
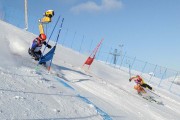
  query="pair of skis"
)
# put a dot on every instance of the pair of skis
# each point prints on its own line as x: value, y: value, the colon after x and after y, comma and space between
x: 148, y: 97
x: 152, y: 98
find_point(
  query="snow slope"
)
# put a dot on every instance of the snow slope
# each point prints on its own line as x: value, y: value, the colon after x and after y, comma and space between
x: 70, y: 92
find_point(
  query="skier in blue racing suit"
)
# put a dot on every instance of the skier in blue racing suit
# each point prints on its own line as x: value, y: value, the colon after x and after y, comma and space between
x: 35, y: 49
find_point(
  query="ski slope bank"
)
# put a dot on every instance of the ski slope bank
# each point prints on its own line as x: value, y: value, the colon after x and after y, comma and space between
x: 120, y: 101
x: 70, y: 92
x: 26, y: 94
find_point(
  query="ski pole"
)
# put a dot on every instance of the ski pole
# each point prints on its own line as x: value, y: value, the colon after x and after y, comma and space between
x: 51, y: 34
x: 56, y: 43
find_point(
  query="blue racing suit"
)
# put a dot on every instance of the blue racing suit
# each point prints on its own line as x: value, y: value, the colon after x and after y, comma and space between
x: 35, y: 48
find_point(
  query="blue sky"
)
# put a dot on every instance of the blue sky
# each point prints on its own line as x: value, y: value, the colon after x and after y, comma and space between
x: 148, y: 29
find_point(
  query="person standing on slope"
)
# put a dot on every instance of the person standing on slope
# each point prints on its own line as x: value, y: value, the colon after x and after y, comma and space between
x: 35, y: 49
x: 140, y: 84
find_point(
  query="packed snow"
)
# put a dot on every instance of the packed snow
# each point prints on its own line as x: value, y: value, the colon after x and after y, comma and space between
x: 68, y: 91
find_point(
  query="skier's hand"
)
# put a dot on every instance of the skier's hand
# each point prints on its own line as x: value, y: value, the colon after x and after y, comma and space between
x: 129, y: 80
x: 49, y: 46
x: 36, y: 58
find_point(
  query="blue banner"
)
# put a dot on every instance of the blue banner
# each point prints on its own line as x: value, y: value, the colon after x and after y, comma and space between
x: 48, y: 56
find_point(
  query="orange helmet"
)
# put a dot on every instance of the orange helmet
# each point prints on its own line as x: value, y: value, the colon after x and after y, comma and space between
x: 42, y: 36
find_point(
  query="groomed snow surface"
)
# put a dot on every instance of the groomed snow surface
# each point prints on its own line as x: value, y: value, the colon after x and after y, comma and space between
x: 68, y: 91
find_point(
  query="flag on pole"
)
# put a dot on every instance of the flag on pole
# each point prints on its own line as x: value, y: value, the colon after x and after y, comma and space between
x: 48, y: 56
x: 91, y: 58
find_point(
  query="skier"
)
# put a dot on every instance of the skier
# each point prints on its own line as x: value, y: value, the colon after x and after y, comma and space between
x: 140, y: 84
x: 35, y: 49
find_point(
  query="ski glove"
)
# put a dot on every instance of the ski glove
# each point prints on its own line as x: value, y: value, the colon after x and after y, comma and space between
x: 36, y: 58
x: 49, y: 46
x: 129, y: 80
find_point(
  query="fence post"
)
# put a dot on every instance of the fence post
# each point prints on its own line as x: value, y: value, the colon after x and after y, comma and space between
x: 153, y: 73
x: 91, y: 45
x: 129, y: 71
x: 143, y: 68
x: 108, y: 56
x: 133, y: 62
x: 122, y: 60
x: 81, y: 44
x: 65, y: 37
x: 162, y: 77
x: 173, y: 81
x: 73, y: 39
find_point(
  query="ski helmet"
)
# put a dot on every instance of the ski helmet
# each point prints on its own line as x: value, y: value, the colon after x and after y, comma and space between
x: 42, y: 36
